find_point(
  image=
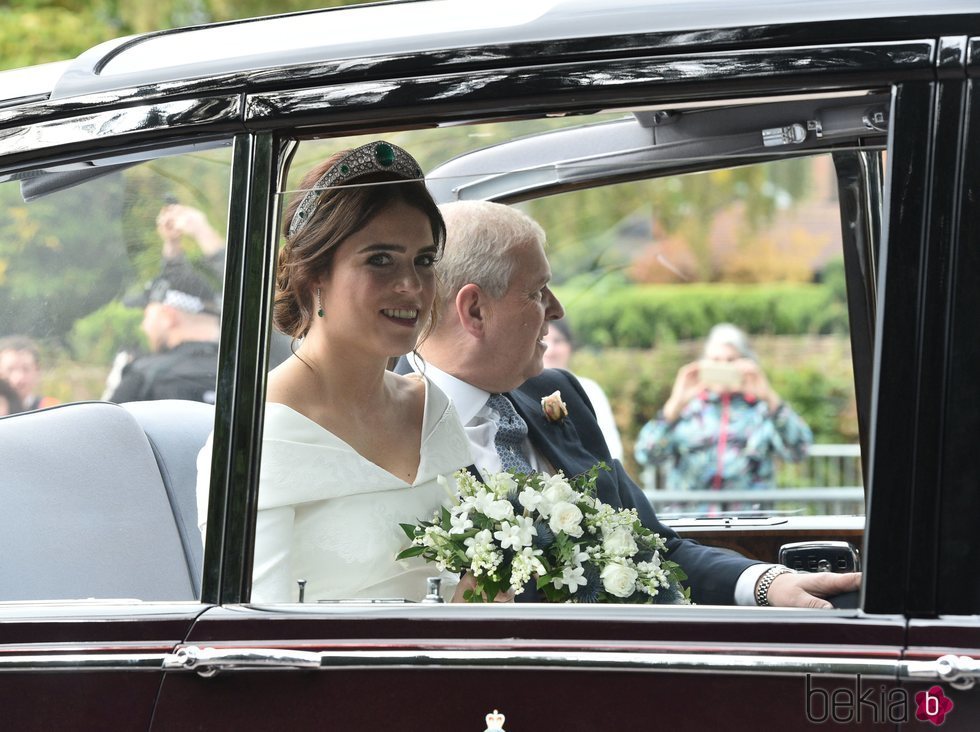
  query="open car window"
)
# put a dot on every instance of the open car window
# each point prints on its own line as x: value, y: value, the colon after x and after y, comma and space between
x: 110, y: 295
x: 662, y: 224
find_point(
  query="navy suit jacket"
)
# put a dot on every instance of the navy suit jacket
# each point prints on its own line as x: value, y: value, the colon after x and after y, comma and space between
x: 576, y: 443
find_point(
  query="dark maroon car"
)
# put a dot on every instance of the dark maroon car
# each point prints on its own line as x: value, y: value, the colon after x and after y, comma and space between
x: 841, y: 133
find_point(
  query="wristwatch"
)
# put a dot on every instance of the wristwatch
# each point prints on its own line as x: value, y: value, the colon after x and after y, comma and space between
x: 762, y: 588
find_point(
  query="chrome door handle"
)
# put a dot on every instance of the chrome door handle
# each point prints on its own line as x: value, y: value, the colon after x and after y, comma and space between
x: 209, y: 661
x: 960, y: 672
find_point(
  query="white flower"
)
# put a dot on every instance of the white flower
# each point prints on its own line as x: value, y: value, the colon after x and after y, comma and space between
x: 517, y: 534
x: 500, y: 484
x: 509, y: 536
x: 566, y: 517
x: 450, y: 487
x: 434, y: 535
x: 618, y: 579
x: 500, y: 510
x: 530, y: 498
x: 653, y: 565
x: 466, y: 483
x: 524, y: 566
x: 556, y: 488
x: 475, y: 543
x: 579, y: 556
x: 573, y: 577
x: 460, y: 523
x: 619, y: 542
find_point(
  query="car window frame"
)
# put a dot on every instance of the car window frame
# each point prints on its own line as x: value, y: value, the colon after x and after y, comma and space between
x: 336, y: 111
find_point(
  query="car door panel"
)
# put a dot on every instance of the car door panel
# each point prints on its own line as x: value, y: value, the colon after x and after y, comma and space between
x: 955, y: 640
x: 85, y: 666
x: 572, y: 667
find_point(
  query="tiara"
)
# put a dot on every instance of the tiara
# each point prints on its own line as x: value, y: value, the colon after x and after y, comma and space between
x: 371, y: 158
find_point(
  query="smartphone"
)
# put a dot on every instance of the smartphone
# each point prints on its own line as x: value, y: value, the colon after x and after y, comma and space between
x: 720, y: 373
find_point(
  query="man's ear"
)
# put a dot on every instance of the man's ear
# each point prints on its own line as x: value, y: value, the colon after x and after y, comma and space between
x: 471, y: 309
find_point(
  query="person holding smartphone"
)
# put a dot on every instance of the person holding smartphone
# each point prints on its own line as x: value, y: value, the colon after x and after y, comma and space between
x: 724, y: 424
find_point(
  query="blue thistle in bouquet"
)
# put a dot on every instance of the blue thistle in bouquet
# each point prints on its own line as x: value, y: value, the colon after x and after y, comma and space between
x: 514, y: 528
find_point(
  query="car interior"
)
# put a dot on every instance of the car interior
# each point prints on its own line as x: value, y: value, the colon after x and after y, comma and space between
x: 127, y: 476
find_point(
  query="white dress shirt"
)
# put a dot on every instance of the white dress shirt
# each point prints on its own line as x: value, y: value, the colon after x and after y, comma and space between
x: 479, y: 420
x: 479, y: 423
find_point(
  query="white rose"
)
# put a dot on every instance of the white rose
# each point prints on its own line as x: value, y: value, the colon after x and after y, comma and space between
x: 566, y: 517
x: 556, y: 489
x: 500, y: 510
x: 553, y: 407
x: 619, y: 543
x: 618, y: 579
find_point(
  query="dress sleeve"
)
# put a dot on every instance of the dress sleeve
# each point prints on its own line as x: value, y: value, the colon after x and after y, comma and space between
x: 272, y: 569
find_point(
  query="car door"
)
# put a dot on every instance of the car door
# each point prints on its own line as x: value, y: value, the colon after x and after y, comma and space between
x: 943, y: 597
x: 101, y: 560
x: 366, y: 665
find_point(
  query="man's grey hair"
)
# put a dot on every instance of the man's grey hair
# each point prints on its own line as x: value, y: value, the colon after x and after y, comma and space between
x: 480, y: 240
x: 726, y: 334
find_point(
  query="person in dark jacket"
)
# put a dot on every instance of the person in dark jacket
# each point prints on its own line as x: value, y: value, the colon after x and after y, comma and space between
x: 495, y: 307
x: 181, y: 317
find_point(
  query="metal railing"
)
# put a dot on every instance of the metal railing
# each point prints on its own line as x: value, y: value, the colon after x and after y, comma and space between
x: 828, y: 482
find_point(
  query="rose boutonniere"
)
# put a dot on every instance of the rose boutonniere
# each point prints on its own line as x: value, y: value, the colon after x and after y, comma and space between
x: 553, y: 407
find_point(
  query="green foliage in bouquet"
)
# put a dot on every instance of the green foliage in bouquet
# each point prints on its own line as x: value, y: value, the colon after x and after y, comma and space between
x: 515, y: 527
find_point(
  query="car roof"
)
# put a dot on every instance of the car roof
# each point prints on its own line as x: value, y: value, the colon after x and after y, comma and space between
x: 396, y: 29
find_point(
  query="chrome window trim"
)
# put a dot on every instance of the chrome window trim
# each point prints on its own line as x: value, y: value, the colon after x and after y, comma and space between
x: 774, y: 70
x: 668, y: 78
x: 167, y: 118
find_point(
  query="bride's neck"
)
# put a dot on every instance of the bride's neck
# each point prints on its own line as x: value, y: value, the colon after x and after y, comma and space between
x: 345, y: 379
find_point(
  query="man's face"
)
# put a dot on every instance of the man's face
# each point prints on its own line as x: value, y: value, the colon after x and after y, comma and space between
x: 518, y: 321
x: 21, y: 371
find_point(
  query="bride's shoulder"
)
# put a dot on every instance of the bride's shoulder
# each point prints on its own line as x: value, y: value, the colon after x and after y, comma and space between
x: 420, y: 389
x: 407, y: 386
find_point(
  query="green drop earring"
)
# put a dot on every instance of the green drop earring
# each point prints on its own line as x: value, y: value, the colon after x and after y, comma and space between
x: 319, y: 307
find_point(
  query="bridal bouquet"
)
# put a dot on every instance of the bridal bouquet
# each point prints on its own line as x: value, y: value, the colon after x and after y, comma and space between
x: 514, y: 528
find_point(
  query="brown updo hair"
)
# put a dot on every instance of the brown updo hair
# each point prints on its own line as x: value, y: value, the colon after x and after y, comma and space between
x: 341, y: 211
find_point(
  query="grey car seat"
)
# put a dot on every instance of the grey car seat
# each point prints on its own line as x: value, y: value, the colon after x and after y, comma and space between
x: 87, y: 511
x: 177, y: 430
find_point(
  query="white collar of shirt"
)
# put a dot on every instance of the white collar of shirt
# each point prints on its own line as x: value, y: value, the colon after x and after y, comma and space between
x: 479, y: 420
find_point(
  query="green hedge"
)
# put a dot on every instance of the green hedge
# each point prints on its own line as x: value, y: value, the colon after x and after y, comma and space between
x: 644, y: 316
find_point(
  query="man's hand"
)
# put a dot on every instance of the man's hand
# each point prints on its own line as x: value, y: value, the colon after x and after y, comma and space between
x: 468, y: 582
x: 807, y: 589
x: 175, y: 220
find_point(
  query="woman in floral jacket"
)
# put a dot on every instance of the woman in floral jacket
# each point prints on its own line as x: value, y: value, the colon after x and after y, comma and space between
x: 723, y: 424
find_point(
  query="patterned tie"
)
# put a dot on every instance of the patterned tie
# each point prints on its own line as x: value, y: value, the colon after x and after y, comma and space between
x: 511, y: 432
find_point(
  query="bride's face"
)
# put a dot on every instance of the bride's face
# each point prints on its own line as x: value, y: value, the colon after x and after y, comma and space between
x: 379, y: 292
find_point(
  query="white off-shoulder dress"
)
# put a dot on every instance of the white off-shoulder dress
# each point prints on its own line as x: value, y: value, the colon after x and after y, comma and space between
x: 331, y: 517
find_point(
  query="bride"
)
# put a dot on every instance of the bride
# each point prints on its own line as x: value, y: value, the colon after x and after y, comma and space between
x: 350, y: 449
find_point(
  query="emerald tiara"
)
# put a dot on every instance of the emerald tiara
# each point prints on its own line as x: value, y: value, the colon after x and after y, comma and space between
x: 371, y: 158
